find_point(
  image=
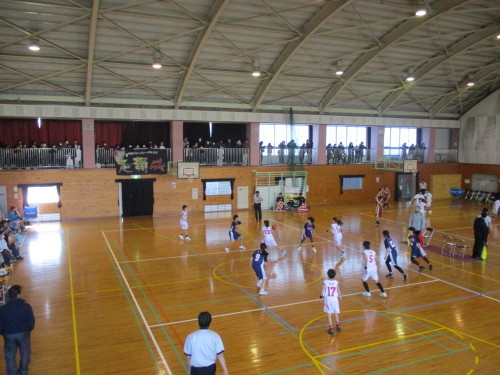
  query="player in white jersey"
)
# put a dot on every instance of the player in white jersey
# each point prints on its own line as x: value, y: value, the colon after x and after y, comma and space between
x: 337, y: 235
x: 268, y: 239
x: 428, y: 201
x: 331, y: 295
x: 184, y: 224
x: 421, y: 206
x: 370, y: 272
x: 496, y: 207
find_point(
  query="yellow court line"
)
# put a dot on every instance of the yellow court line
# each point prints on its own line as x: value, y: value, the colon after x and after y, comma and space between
x: 380, y: 342
x: 73, y: 309
x: 475, y: 338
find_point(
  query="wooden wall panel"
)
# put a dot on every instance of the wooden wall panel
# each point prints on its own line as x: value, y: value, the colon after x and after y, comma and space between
x: 88, y: 193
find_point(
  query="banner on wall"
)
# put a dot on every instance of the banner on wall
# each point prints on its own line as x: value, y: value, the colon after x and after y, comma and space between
x: 139, y: 162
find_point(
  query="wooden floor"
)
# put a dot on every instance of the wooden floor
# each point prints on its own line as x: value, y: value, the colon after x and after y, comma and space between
x: 120, y: 296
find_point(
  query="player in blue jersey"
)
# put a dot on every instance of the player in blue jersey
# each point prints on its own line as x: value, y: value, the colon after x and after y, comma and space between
x: 233, y: 234
x: 392, y: 255
x: 308, y: 232
x: 258, y: 263
x: 416, y: 250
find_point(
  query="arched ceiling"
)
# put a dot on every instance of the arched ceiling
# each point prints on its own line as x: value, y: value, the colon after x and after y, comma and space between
x: 99, y: 53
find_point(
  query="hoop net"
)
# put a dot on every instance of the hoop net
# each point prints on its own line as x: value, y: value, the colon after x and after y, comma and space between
x: 189, y: 177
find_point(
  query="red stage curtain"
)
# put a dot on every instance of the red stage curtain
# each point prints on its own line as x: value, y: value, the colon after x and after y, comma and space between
x: 109, y: 132
x: 27, y: 131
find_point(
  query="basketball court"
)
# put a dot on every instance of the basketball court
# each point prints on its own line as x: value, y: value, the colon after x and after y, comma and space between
x: 123, y: 294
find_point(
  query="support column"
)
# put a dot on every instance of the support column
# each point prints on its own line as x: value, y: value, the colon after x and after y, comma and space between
x: 88, y: 143
x: 319, y: 139
x: 253, y: 136
x: 377, y: 142
x: 177, y: 139
x: 429, y: 138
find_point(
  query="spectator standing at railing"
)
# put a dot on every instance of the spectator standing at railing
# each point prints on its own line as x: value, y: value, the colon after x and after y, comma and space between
x: 291, y: 146
x: 281, y: 152
x: 220, y: 154
x: 162, y: 145
x: 328, y: 153
x: 246, y: 151
x: 350, y: 153
x: 359, y: 152
x: 309, y: 146
x: 261, y: 150
x: 78, y: 156
x: 404, y: 147
x: 340, y: 153
x: 269, y: 153
x: 302, y: 152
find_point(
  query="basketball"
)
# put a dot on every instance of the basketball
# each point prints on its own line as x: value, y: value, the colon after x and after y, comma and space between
x: 273, y: 227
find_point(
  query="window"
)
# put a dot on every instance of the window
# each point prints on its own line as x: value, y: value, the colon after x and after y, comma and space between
x: 218, y: 188
x: 43, y: 194
x: 346, y: 134
x: 351, y: 183
x: 395, y: 137
x: 276, y: 133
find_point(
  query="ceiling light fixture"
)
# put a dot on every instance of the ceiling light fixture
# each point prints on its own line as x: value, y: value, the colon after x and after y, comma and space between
x: 156, y: 59
x: 498, y: 36
x: 470, y: 81
x: 339, y: 69
x: 410, y: 77
x: 421, y: 9
x: 255, y: 68
x: 33, y: 45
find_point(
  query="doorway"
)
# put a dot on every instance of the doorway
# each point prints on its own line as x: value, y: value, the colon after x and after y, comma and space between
x: 406, y: 186
x: 136, y: 197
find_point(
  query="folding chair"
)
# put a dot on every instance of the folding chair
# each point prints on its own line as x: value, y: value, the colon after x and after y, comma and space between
x: 449, y: 244
x: 427, y: 235
x: 460, y: 247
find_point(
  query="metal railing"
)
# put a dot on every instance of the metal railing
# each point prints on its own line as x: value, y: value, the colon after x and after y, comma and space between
x: 336, y: 155
x: 446, y: 156
x: 38, y: 158
x: 217, y: 156
x: 397, y: 153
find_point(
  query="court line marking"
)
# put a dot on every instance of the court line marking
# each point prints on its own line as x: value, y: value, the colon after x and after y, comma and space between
x: 202, y: 254
x: 283, y: 305
x: 73, y: 307
x: 320, y: 364
x: 152, y: 229
x: 408, y: 268
x: 380, y: 342
x: 132, y: 295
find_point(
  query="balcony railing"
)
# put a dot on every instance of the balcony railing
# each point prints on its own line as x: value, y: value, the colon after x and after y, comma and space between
x: 217, y: 156
x: 38, y: 158
x: 349, y: 155
x: 446, y: 155
x: 397, y: 153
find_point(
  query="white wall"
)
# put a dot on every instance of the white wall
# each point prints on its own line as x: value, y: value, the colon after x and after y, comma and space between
x: 480, y: 132
x: 442, y: 141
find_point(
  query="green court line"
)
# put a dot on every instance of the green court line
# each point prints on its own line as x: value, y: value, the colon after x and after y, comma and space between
x: 289, y: 369
x: 153, y: 311
x: 418, y: 361
x: 384, y: 347
x: 134, y: 311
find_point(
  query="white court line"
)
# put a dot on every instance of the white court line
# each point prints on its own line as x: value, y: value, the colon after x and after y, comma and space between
x: 152, y: 337
x: 433, y: 277
x: 143, y: 228
x: 198, y: 254
x: 284, y: 305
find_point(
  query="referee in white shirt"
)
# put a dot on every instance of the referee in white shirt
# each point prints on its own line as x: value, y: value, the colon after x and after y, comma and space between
x: 203, y: 347
x: 257, y: 201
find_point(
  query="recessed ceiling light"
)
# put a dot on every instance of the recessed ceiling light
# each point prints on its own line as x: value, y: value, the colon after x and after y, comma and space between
x: 421, y: 12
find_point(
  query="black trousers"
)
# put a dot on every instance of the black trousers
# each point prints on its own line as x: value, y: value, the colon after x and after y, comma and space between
x: 258, y: 211
x: 208, y: 370
x: 478, y: 247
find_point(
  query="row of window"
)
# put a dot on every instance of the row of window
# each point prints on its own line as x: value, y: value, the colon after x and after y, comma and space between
x: 276, y: 133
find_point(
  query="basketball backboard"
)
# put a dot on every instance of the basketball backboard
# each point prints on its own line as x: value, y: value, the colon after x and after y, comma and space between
x: 410, y: 166
x: 188, y: 170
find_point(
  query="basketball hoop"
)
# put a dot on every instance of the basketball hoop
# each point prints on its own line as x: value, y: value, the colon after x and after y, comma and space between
x: 189, y: 177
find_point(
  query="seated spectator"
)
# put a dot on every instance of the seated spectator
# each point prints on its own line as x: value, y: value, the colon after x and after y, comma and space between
x: 301, y: 199
x: 15, y: 218
x: 280, y: 202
